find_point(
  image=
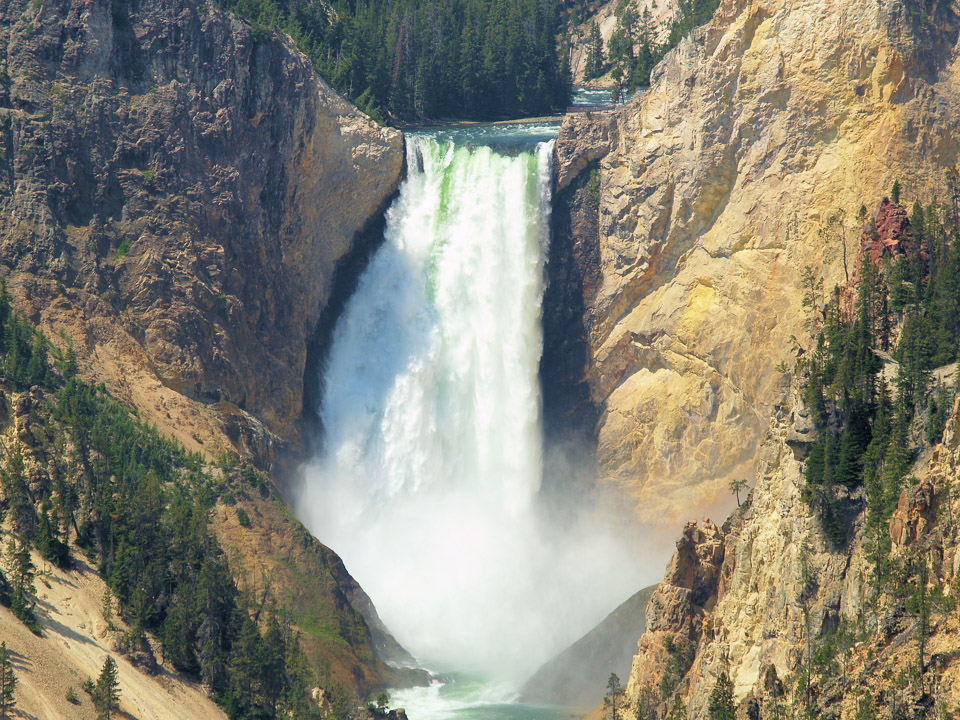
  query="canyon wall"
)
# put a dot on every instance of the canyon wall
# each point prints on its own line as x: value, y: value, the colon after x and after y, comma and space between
x: 696, y: 208
x: 182, y: 199
x: 749, y: 592
x: 176, y: 193
x: 769, y: 589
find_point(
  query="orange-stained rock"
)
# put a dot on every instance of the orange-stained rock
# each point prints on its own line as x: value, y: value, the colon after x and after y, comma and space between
x: 916, y: 512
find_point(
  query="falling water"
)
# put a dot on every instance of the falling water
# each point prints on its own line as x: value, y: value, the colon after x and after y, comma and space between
x: 429, y: 478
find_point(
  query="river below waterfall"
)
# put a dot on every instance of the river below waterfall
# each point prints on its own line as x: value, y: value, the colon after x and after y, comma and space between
x: 464, y: 697
x: 429, y: 481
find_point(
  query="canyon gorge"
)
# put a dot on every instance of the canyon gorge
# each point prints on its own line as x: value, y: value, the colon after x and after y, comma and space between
x: 497, y: 369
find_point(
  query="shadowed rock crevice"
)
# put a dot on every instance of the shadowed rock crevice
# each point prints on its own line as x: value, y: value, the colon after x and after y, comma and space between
x: 347, y: 274
x: 572, y: 271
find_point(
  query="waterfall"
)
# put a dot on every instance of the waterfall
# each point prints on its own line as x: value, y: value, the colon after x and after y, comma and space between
x: 427, y: 484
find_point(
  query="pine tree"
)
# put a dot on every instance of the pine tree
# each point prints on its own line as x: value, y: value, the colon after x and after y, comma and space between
x: 865, y: 708
x: 106, y: 692
x: 914, y: 353
x: 612, y: 699
x: 678, y: 711
x: 826, y: 501
x: 721, y: 699
x: 274, y: 658
x: 773, y: 691
x: 594, y: 65
x: 22, y: 572
x: 37, y: 372
x: 918, y: 604
x: 246, y: 696
x: 946, y: 301
x: 815, y: 465
x: 8, y: 682
x: 48, y: 542
x: 299, y: 678
x: 16, y: 493
x: 647, y: 702
x: 215, y: 605
x: 736, y: 487
x: 877, y: 540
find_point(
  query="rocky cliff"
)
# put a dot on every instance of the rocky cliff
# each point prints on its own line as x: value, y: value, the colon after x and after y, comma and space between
x: 182, y: 200
x: 176, y: 195
x: 742, y: 593
x: 768, y: 589
x: 702, y: 202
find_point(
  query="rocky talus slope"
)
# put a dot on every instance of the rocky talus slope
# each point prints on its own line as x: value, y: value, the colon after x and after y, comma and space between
x: 768, y: 589
x: 176, y: 194
x: 689, y: 215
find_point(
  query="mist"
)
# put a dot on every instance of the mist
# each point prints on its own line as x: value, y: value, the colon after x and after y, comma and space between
x: 431, y: 482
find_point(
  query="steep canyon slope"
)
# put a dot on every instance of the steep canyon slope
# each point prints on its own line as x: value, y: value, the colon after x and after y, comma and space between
x: 684, y: 222
x: 180, y: 198
x: 176, y: 194
x: 768, y: 589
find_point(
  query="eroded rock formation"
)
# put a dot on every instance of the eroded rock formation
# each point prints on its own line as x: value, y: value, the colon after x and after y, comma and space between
x: 782, y: 587
x: 175, y: 197
x: 714, y: 192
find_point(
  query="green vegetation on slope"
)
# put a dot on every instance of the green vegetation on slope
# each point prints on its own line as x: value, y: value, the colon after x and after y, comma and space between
x: 414, y: 59
x: 84, y: 467
x: 633, y: 50
x: 910, y: 306
x: 869, y: 435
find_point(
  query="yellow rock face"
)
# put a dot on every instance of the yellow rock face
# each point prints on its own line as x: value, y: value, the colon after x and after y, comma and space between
x: 776, y: 580
x: 756, y: 129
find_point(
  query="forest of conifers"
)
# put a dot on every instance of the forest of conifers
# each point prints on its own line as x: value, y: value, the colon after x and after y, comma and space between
x: 414, y: 59
x: 868, y: 431
x: 120, y: 491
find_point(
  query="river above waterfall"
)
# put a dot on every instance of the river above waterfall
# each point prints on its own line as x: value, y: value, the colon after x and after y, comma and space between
x: 428, y: 483
x: 510, y: 139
